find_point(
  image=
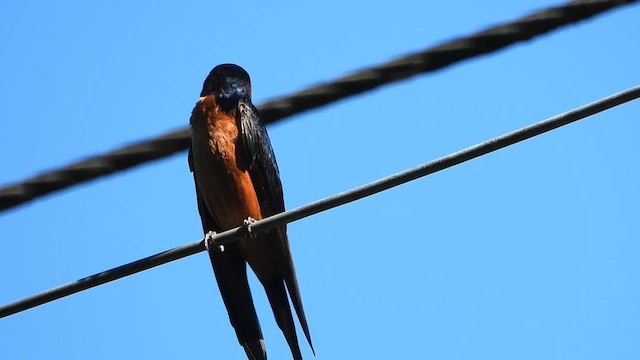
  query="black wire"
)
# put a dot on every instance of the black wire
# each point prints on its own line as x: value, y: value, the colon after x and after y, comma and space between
x: 327, y: 203
x: 102, y: 278
x: 431, y: 59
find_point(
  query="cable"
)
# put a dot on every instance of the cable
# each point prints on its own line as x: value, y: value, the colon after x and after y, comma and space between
x: 327, y: 203
x: 431, y: 59
x: 102, y: 278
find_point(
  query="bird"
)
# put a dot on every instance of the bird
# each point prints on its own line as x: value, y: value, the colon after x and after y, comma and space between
x: 237, y: 182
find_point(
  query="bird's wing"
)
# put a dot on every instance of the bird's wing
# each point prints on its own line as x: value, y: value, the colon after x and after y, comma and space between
x: 263, y: 168
x: 265, y: 176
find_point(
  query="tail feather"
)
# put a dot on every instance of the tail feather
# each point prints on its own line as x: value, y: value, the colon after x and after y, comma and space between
x: 230, y: 270
x: 277, y: 296
x: 291, y: 280
x: 296, y: 299
x: 255, y: 350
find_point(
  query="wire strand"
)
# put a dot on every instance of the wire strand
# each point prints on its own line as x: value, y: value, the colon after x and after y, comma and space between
x: 327, y: 203
x: 432, y: 59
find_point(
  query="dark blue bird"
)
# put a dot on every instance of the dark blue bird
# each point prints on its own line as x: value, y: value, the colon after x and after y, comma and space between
x: 237, y: 181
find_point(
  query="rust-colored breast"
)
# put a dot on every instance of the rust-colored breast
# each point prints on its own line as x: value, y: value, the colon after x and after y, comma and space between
x: 227, y: 189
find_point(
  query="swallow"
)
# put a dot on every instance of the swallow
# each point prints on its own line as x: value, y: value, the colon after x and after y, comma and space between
x: 237, y: 181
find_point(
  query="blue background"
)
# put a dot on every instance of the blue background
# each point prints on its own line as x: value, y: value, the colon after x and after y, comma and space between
x: 527, y: 253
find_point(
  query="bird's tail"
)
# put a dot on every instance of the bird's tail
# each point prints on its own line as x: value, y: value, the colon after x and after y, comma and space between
x: 277, y: 296
x: 294, y: 292
x: 230, y: 270
x: 291, y: 280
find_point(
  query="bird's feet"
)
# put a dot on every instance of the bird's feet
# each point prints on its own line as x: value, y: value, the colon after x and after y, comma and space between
x: 209, y: 244
x: 247, y: 225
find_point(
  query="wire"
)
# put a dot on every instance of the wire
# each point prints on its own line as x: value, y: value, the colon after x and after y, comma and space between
x: 432, y: 59
x: 327, y: 203
x: 102, y: 278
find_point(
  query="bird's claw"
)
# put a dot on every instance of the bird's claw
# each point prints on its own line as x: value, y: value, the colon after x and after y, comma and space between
x: 208, y: 242
x: 247, y: 225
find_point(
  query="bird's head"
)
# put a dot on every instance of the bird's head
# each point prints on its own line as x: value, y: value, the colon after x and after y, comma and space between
x: 228, y: 83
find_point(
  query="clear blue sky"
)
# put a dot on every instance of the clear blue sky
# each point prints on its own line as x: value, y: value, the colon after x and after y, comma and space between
x: 527, y: 253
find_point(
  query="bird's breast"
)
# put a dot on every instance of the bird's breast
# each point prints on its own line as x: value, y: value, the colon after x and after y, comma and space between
x: 225, y: 183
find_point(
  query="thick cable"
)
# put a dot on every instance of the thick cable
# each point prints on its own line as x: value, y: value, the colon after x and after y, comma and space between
x: 432, y: 59
x: 327, y: 203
